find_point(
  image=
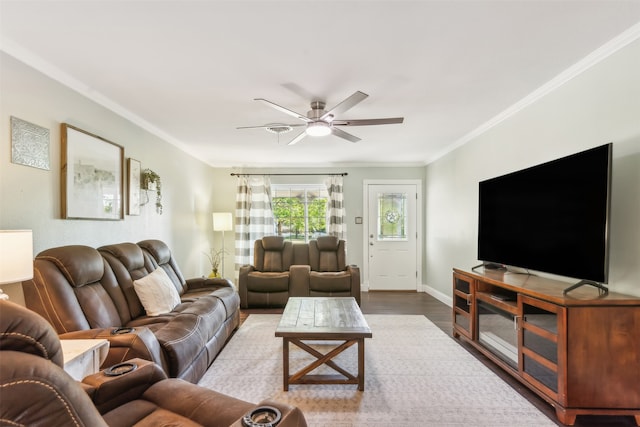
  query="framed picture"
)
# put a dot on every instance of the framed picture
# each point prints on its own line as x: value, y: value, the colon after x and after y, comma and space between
x: 133, y: 185
x: 92, y: 176
x: 29, y: 144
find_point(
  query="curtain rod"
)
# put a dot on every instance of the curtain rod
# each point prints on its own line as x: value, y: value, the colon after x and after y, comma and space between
x: 288, y: 174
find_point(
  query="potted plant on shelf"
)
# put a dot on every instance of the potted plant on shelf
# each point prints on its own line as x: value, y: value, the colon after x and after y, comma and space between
x: 150, y: 182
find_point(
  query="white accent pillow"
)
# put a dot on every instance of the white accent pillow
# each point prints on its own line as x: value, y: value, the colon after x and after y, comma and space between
x: 157, y: 293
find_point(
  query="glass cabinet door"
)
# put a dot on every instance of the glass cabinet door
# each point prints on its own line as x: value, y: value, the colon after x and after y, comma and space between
x: 540, y: 364
x: 463, y: 306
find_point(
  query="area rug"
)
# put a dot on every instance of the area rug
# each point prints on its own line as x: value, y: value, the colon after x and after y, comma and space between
x: 415, y: 375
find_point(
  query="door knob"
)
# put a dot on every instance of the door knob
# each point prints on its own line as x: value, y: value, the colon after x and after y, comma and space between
x: 370, y: 243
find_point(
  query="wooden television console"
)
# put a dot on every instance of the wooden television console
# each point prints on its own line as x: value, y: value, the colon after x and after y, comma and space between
x: 579, y: 351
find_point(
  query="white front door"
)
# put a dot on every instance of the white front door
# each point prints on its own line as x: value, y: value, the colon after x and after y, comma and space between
x: 392, y: 237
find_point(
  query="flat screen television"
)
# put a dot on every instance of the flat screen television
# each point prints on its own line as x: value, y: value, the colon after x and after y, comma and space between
x: 553, y: 217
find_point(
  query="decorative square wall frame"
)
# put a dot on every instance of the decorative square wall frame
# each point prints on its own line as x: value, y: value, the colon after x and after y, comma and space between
x: 92, y: 176
x: 29, y: 144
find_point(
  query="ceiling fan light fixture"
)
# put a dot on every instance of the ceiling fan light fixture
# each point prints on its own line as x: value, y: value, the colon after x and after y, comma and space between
x: 319, y: 122
x: 318, y: 129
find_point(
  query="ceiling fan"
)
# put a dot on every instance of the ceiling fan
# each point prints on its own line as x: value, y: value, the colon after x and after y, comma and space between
x: 319, y: 122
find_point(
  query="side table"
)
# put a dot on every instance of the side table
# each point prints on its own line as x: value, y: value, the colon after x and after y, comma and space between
x: 83, y: 357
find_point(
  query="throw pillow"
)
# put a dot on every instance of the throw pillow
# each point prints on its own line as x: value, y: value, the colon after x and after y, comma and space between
x: 157, y: 293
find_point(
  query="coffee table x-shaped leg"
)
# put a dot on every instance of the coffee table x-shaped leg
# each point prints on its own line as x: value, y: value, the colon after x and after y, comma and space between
x: 303, y: 377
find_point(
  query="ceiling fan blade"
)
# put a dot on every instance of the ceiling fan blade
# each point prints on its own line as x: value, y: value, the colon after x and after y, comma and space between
x: 284, y: 110
x: 271, y: 125
x: 345, y: 135
x: 298, y: 138
x: 368, y: 122
x: 351, y: 101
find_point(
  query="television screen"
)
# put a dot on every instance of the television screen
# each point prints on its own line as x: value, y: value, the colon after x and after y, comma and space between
x: 551, y: 217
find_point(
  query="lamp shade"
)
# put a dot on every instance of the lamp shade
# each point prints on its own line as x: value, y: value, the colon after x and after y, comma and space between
x: 16, y: 256
x: 222, y: 221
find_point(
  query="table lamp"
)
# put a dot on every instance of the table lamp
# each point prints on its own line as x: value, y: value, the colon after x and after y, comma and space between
x: 222, y: 221
x: 16, y: 257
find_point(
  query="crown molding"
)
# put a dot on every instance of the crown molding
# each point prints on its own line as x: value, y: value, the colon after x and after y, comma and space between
x: 25, y: 56
x: 20, y: 53
x: 595, y: 57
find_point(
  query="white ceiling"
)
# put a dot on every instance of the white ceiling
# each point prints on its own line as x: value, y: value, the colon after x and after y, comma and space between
x: 189, y: 70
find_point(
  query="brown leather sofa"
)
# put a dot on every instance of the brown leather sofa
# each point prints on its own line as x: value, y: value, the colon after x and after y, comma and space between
x: 36, y: 391
x: 89, y: 293
x: 283, y: 269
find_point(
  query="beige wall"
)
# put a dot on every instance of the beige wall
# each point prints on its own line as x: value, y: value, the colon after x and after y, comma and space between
x: 30, y: 197
x: 191, y: 189
x: 600, y: 105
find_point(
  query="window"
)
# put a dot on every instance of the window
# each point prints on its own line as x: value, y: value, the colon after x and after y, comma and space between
x: 300, y: 211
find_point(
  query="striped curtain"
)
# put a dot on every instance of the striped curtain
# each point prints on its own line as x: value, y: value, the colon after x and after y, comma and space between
x: 336, y: 214
x: 254, y: 216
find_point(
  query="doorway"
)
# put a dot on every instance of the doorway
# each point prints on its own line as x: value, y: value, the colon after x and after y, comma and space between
x: 392, y: 239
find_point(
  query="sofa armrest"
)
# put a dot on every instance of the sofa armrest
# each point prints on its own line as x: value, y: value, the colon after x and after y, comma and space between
x: 205, y: 282
x: 354, y: 271
x: 140, y: 342
x: 206, y: 407
x: 299, y: 280
x: 109, y: 392
x: 243, y: 278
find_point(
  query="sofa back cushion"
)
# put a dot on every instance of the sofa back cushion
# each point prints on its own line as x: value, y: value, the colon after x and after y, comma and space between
x: 327, y: 253
x: 273, y: 254
x: 23, y: 331
x: 157, y: 254
x: 74, y: 289
x: 127, y: 262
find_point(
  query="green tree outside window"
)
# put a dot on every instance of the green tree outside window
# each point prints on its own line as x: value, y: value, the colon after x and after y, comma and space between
x: 300, y: 211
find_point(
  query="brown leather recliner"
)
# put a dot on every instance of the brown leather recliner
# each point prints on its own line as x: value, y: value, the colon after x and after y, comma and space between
x: 157, y: 254
x: 270, y: 281
x: 36, y: 391
x: 283, y: 269
x: 89, y: 293
x: 76, y: 291
x: 330, y: 276
x: 192, y: 334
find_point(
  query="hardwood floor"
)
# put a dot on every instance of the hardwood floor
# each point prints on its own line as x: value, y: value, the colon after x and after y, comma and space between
x: 440, y: 314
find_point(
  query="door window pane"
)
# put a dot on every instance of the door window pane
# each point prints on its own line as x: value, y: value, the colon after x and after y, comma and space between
x: 392, y: 216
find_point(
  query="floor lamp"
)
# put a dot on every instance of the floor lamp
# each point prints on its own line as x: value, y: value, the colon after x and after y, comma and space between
x: 222, y: 221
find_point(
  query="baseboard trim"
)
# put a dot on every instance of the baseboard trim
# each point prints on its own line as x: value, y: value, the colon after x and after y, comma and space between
x: 446, y: 299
